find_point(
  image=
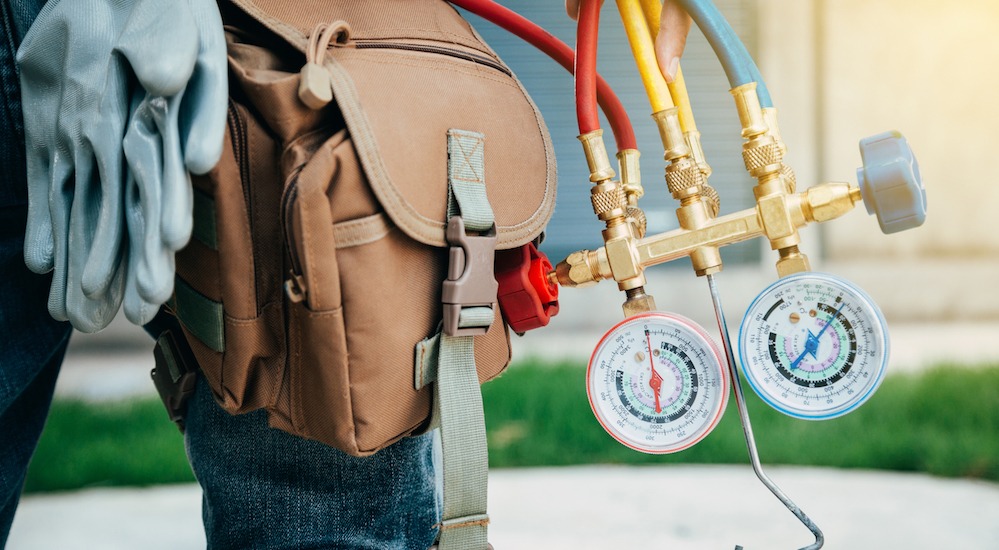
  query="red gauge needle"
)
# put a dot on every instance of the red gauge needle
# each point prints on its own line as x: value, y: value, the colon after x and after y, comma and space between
x: 656, y: 382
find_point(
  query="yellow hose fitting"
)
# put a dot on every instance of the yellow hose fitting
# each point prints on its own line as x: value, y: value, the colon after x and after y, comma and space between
x: 693, y: 139
x: 747, y: 103
x: 596, y: 156
x: 674, y: 144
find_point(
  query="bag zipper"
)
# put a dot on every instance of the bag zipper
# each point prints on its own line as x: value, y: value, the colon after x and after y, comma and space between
x: 294, y: 287
x: 237, y: 132
x: 440, y: 50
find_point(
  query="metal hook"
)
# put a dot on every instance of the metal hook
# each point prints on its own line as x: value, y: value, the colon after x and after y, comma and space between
x: 747, y: 427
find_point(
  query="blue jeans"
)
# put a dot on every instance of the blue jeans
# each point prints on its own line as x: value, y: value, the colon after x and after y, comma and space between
x: 32, y: 344
x: 263, y: 488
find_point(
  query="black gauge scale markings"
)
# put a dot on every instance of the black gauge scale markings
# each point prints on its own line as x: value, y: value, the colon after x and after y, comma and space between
x: 813, y: 346
x: 655, y: 383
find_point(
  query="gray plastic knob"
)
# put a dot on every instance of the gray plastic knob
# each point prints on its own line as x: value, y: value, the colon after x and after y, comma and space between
x: 890, y: 182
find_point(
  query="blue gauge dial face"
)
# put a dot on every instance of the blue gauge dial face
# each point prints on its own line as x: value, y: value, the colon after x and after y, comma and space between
x: 656, y: 384
x: 813, y: 346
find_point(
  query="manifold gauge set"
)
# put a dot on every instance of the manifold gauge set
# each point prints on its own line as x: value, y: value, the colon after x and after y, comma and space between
x: 811, y: 345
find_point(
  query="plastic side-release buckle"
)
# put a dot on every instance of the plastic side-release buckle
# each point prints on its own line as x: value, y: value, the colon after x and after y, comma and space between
x: 471, y: 281
x: 527, y: 298
x: 174, y: 375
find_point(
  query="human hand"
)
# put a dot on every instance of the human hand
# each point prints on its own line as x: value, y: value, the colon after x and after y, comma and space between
x: 674, y: 25
x: 81, y: 63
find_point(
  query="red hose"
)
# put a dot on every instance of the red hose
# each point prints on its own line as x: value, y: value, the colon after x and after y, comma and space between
x: 586, y: 66
x: 530, y: 32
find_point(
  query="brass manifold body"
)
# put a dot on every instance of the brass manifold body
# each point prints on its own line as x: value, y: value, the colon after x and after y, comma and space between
x: 778, y: 214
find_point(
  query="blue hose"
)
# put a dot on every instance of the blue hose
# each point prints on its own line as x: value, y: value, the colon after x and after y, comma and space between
x: 735, y: 59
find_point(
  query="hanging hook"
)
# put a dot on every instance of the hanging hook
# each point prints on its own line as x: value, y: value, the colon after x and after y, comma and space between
x: 747, y: 427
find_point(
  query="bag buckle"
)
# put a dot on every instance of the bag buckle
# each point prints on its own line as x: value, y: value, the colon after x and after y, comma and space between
x: 527, y: 298
x: 471, y: 281
x: 174, y: 375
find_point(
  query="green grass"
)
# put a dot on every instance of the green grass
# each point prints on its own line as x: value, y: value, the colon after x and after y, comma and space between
x: 107, y: 444
x: 944, y: 421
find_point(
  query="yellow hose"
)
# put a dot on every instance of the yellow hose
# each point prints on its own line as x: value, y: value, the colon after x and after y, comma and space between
x: 652, y: 10
x: 637, y: 29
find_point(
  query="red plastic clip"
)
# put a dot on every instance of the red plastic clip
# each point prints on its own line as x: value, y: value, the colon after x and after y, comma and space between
x: 527, y: 298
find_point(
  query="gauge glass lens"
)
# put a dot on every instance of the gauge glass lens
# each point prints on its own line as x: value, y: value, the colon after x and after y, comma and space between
x: 656, y: 384
x: 813, y: 346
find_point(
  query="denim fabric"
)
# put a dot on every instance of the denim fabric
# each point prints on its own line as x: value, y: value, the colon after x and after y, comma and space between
x: 267, y: 489
x: 15, y: 18
x: 32, y: 344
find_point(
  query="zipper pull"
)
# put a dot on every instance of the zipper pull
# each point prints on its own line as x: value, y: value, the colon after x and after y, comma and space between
x: 315, y: 88
x: 295, y: 288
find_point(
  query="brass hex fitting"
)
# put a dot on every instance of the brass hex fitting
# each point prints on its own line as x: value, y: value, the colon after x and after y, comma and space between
x: 580, y: 269
x: 638, y: 302
x: 830, y: 200
x: 792, y: 261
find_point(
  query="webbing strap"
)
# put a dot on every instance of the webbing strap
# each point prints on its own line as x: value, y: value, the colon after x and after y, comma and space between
x: 466, y: 176
x: 200, y: 315
x: 458, y: 406
x: 458, y: 399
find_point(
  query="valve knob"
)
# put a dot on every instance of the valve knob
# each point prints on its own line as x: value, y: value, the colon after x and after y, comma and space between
x: 890, y: 182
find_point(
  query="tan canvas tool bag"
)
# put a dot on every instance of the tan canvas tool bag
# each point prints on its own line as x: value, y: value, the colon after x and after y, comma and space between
x: 320, y: 244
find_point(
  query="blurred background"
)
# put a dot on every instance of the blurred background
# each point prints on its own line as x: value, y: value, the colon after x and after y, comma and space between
x: 838, y: 70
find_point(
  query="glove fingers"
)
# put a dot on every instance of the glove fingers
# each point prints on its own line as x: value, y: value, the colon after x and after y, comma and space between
x: 160, y: 41
x: 86, y: 314
x: 137, y: 309
x: 60, y: 199
x: 203, y: 111
x: 38, y: 245
x: 177, y: 219
x: 153, y: 260
x: 104, y: 138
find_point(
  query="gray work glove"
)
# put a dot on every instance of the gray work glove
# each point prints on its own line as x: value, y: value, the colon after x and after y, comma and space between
x: 86, y: 65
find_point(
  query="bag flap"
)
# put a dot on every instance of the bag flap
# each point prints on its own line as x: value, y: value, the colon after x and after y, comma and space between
x: 410, y: 71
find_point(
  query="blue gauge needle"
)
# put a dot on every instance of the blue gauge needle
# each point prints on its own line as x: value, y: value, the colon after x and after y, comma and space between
x: 812, y: 343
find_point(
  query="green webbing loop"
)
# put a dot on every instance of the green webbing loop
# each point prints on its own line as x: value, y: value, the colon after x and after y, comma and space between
x: 203, y: 317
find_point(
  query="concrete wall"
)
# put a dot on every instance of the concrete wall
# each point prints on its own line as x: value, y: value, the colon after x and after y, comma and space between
x: 840, y: 70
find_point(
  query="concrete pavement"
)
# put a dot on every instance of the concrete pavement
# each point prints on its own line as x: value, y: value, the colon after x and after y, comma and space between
x: 598, y: 507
